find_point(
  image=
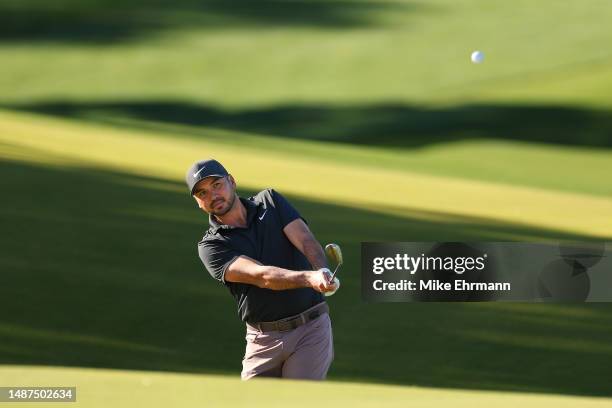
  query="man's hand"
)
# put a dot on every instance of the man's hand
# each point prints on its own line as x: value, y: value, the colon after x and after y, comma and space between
x: 320, y: 281
x: 336, y: 284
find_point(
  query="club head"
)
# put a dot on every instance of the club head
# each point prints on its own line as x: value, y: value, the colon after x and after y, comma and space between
x: 334, y: 253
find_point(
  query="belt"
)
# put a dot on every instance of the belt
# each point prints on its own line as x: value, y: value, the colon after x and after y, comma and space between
x: 292, y: 322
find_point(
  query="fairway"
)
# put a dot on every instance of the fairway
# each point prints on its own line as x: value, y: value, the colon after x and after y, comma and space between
x: 369, y: 117
x: 101, y: 388
x: 443, y: 197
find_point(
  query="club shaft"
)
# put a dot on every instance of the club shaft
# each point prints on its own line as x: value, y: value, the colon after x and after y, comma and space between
x: 331, y: 279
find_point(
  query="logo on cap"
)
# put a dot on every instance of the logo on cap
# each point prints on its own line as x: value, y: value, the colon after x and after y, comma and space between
x: 198, y: 172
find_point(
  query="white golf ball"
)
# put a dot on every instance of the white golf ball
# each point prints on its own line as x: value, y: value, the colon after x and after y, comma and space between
x: 477, y: 57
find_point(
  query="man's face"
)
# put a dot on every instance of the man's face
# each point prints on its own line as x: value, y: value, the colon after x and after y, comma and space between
x: 216, y: 195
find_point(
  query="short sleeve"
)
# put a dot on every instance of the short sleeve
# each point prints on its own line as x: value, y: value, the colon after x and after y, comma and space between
x: 216, y: 257
x: 285, y: 210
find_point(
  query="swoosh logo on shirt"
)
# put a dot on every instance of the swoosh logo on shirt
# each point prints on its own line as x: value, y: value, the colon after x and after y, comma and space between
x: 263, y: 215
x: 198, y: 172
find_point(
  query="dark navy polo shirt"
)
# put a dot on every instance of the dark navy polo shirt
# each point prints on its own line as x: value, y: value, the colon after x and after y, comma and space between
x: 263, y: 240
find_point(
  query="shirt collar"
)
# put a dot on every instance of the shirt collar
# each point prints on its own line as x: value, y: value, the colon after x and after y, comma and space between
x: 251, y: 209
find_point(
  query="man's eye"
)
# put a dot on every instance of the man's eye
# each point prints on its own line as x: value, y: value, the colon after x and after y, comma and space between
x: 216, y: 185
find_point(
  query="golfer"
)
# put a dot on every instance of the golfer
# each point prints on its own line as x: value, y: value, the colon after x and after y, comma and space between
x: 261, y: 249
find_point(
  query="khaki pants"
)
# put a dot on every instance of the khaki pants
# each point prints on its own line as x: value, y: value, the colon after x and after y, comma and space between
x: 302, y: 353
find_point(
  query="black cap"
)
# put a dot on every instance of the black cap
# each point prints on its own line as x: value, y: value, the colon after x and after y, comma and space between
x: 202, y: 169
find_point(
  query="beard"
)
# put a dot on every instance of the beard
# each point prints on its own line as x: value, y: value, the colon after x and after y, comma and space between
x: 225, y: 208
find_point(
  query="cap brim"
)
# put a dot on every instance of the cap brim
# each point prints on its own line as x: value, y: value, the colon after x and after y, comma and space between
x: 204, y: 178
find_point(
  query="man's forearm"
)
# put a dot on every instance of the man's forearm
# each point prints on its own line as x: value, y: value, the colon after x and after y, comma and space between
x: 313, y: 251
x: 272, y: 277
x: 246, y: 270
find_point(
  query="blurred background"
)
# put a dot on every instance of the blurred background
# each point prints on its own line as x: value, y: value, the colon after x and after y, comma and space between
x: 368, y: 115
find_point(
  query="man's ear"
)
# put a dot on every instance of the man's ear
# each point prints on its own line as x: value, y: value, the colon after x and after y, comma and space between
x: 231, y: 179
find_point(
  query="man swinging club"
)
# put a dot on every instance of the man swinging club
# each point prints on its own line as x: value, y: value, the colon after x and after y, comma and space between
x: 262, y: 250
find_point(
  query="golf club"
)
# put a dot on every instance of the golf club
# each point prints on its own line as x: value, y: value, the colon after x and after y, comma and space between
x: 334, y: 253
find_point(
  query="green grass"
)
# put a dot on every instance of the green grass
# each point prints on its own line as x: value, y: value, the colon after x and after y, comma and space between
x: 379, y: 52
x: 367, y: 115
x: 378, y: 187
x: 122, y: 388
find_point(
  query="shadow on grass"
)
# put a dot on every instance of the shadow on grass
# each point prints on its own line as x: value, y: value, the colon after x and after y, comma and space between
x: 378, y: 125
x: 108, y: 21
x: 100, y: 269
